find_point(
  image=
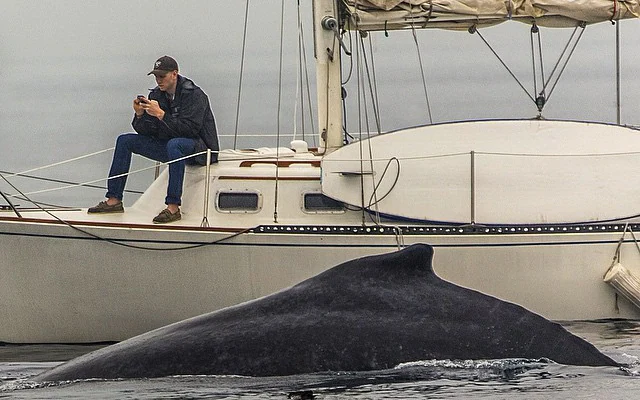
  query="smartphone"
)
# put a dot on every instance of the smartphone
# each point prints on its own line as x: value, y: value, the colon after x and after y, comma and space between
x: 142, y: 99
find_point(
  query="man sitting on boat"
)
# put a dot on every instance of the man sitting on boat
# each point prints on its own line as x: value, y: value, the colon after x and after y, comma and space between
x: 175, y: 121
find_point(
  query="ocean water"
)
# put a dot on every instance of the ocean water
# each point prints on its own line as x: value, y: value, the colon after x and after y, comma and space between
x: 432, y: 379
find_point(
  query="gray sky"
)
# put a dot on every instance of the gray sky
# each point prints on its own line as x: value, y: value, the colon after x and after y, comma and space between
x: 70, y: 69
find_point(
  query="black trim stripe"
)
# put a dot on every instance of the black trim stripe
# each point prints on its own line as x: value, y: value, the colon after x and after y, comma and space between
x: 272, y: 243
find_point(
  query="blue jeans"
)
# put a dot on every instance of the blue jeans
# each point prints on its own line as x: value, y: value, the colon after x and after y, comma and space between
x: 155, y: 149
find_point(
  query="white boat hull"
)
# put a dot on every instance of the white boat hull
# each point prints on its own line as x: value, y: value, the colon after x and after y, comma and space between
x: 59, y: 285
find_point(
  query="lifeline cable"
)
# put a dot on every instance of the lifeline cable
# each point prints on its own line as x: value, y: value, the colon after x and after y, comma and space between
x: 61, y: 162
x: 118, y: 242
x: 41, y: 178
x: 115, y: 176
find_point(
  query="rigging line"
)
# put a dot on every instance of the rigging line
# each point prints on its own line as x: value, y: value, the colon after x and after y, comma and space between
x: 486, y: 153
x: 61, y: 162
x: 371, y: 84
x: 408, y: 158
x: 630, y: 153
x: 616, y: 254
x: 473, y: 30
x: 118, y: 242
x: 399, y: 237
x: 41, y: 178
x: 298, y: 96
x: 112, y: 177
x: 364, y: 64
x: 567, y: 61
x: 267, y: 135
x: 347, y: 137
x: 305, y: 76
x: 424, y: 79
x: 393, y: 185
x: 375, y: 85
x: 330, y: 53
x: 555, y: 67
x: 635, y: 240
x: 4, y: 196
x: 361, y: 99
x: 539, y: 35
x: 279, y: 111
x: 242, y: 58
x: 345, y: 123
x: 138, y: 247
x: 308, y: 85
x: 42, y: 203
x: 350, y: 72
x: 358, y: 65
x: 299, y: 84
x: 83, y: 184
x: 533, y: 63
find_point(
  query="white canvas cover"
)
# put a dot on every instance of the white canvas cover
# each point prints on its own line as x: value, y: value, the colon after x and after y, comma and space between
x: 461, y: 14
x: 492, y: 172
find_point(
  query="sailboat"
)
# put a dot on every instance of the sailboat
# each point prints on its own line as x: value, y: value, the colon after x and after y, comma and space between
x: 527, y: 210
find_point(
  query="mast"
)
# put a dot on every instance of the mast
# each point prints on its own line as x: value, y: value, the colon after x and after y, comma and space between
x: 328, y: 78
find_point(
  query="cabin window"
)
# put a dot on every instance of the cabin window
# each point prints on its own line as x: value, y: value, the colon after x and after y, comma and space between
x: 319, y: 203
x: 238, y: 201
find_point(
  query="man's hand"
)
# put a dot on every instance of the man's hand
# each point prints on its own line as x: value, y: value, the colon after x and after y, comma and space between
x: 152, y: 108
x: 137, y: 106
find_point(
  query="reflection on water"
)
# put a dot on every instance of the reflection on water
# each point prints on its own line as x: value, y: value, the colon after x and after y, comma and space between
x: 45, y: 352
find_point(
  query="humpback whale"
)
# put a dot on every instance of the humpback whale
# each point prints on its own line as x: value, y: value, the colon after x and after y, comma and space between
x: 370, y: 313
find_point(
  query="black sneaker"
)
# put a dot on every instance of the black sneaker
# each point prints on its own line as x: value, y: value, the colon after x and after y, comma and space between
x: 103, y: 208
x: 166, y: 216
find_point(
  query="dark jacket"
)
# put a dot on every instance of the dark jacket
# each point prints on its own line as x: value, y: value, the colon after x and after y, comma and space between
x: 188, y: 115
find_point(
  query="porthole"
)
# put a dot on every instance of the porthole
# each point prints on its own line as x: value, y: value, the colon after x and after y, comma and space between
x: 316, y: 202
x: 232, y: 201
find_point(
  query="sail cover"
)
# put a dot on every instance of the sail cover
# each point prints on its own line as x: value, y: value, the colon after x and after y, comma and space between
x: 370, y: 15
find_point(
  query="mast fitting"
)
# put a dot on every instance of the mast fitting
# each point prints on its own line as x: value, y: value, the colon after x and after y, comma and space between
x: 331, y: 24
x: 540, y: 101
